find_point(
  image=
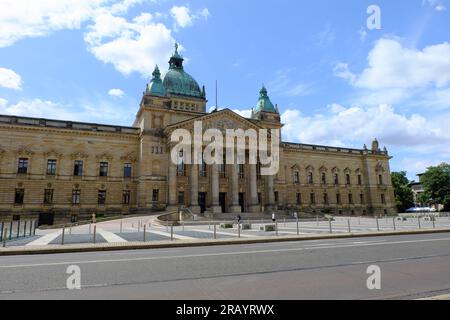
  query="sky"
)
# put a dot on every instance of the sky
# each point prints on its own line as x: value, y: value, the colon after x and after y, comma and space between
x: 336, y: 79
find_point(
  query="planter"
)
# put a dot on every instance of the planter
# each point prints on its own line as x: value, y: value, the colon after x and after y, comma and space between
x: 268, y: 228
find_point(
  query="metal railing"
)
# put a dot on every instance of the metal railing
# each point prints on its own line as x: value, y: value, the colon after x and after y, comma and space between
x: 10, y: 230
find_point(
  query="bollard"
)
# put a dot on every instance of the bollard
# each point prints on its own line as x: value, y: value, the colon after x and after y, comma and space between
x: 182, y: 224
x: 393, y: 222
x: 317, y: 220
x: 95, y: 234
x: 25, y: 230
x: 378, y: 225
x: 2, y: 229
x: 276, y: 228
x: 171, y: 233
x: 434, y: 224
x: 349, y: 228
x: 31, y: 227
x: 144, y: 231
x: 4, y: 237
x: 418, y: 220
x: 209, y: 225
x: 139, y: 226
x: 89, y: 228
x: 10, y: 230
x: 298, y: 230
x: 62, y: 235
x: 18, y: 229
x: 34, y: 227
x: 121, y: 222
x: 239, y: 229
x: 215, y: 231
x: 331, y: 228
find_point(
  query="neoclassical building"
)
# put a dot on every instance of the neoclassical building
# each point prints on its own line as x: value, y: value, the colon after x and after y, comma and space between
x: 61, y: 171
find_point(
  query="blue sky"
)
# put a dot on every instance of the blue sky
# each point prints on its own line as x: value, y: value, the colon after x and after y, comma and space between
x: 335, y: 81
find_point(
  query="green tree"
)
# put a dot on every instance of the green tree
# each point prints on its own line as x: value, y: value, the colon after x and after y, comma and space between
x: 404, y: 198
x: 436, y: 182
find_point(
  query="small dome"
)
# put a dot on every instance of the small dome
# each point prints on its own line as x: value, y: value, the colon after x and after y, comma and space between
x: 178, y: 82
x: 264, y: 103
x: 156, y: 87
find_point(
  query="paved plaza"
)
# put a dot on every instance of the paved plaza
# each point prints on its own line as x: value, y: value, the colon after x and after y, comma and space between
x: 139, y: 229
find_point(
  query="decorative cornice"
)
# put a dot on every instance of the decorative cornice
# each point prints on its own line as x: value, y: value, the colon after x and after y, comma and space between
x: 105, y: 156
x: 24, y: 151
x: 53, y: 153
x: 79, y: 155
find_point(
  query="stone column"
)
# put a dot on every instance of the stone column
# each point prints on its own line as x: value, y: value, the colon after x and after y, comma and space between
x: 234, y: 188
x: 195, y: 208
x: 270, y: 192
x: 215, y: 208
x: 172, y: 185
x: 254, y: 205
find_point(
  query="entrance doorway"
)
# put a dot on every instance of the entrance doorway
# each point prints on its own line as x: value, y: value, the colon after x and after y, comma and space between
x: 202, y: 201
x: 46, y: 218
x: 242, y: 201
x: 222, y: 201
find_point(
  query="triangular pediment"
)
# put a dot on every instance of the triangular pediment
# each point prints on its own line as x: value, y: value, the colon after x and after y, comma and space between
x: 222, y: 120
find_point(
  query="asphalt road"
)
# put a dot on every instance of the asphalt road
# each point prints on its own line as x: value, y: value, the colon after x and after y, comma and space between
x: 412, y: 267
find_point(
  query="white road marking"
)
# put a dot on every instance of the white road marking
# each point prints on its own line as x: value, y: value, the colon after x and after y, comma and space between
x: 45, y: 240
x: 111, y: 237
x: 218, y: 254
x: 175, y: 236
x: 224, y: 233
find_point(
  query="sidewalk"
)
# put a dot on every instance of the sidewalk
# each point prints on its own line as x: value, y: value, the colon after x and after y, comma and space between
x: 72, y: 248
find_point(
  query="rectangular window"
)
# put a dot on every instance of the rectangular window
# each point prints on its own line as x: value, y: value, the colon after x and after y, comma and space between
x: 23, y: 166
x: 310, y: 178
x: 348, y: 179
x: 383, y: 199
x: 101, y: 197
x: 336, y: 179
x: 51, y: 167
x: 103, y: 169
x: 78, y: 168
x: 126, y: 196
x: 127, y: 170
x: 359, y: 179
x: 19, y: 196
x: 324, y: 178
x: 380, y: 179
x: 276, y: 196
x: 350, y: 198
x: 181, y: 197
x: 312, y: 197
x: 48, y: 196
x: 296, y: 177
x: 361, y: 198
x: 338, y: 198
x: 76, y: 196
x: 241, y: 171
x: 181, y: 170
x: 325, y: 198
x: 155, y: 195
x: 299, y: 198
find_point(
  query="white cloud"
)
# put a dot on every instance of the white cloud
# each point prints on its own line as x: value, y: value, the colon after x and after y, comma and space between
x: 100, y: 112
x: 437, y: 5
x: 283, y: 84
x: 183, y: 17
x: 390, y: 65
x: 116, y: 93
x: 356, y: 125
x: 135, y: 46
x: 24, y: 19
x: 9, y: 79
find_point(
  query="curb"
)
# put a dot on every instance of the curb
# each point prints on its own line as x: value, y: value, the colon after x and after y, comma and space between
x: 78, y: 248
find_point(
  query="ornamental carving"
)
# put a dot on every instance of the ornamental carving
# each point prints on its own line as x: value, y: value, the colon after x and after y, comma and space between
x: 105, y: 156
x: 53, y: 153
x: 25, y: 151
x: 131, y: 156
x: 79, y: 155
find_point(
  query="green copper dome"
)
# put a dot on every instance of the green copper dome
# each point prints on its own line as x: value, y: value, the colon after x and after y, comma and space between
x: 264, y: 103
x: 178, y: 82
x: 156, y: 87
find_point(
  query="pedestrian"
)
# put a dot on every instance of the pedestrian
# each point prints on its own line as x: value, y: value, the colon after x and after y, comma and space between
x: 273, y: 217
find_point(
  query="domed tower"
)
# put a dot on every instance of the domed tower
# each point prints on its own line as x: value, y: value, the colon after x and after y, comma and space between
x: 182, y: 88
x: 156, y: 87
x: 265, y: 110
